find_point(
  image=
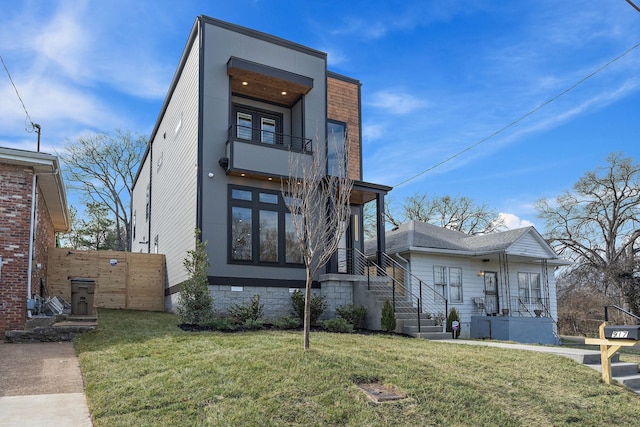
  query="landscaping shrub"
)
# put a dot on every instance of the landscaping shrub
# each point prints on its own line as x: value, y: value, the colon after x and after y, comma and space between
x: 252, y: 324
x: 195, y: 303
x: 286, y: 323
x: 221, y: 324
x: 354, y: 315
x: 388, y: 319
x: 453, y: 316
x: 252, y: 310
x: 318, y: 306
x: 337, y: 325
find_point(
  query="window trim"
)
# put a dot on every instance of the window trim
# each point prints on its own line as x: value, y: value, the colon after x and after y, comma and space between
x: 529, y: 297
x: 257, y: 116
x: 446, y: 286
x: 256, y: 206
x: 344, y: 142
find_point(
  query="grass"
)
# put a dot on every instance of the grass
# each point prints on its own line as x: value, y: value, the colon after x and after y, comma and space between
x: 141, y: 370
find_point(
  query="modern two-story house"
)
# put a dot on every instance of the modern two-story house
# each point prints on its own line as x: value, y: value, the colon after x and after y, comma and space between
x: 240, y: 105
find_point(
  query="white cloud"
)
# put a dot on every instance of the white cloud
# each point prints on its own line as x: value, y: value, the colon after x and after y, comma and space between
x: 372, y: 132
x: 512, y: 221
x: 396, y: 103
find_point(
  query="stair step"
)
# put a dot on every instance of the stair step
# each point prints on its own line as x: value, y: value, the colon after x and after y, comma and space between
x: 595, y: 359
x: 621, y: 369
x: 433, y: 335
x: 414, y: 329
x: 630, y: 381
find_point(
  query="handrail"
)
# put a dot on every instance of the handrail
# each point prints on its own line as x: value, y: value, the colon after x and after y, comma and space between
x: 355, y: 262
x: 424, y: 297
x: 606, y: 312
x: 276, y: 139
x: 435, y: 303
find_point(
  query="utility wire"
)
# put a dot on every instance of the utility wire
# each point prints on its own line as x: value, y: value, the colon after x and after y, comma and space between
x: 633, y: 5
x: 33, y: 125
x: 544, y: 104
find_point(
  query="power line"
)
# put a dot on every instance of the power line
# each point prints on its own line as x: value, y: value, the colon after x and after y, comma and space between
x: 544, y: 104
x: 33, y: 125
x: 633, y: 5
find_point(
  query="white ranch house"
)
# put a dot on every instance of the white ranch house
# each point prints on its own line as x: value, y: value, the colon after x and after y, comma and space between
x: 502, y: 284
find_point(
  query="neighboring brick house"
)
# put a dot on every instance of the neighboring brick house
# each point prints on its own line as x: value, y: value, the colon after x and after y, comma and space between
x: 33, y: 207
x: 240, y: 104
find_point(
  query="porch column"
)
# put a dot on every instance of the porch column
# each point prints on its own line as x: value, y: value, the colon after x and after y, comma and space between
x: 381, y: 243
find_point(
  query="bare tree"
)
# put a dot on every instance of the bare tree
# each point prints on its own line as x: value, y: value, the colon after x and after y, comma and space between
x: 102, y: 168
x: 320, y: 211
x: 455, y: 213
x: 597, y: 225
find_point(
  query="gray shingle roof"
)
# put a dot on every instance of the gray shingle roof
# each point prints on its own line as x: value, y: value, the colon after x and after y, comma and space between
x: 425, y: 235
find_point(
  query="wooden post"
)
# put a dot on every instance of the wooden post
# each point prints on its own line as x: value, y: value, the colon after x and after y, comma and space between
x: 607, y: 349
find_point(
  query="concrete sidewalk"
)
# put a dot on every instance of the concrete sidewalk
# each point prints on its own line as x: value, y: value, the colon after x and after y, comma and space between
x: 41, y: 385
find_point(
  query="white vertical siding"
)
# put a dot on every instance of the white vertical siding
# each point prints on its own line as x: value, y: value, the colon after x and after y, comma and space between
x: 174, y: 171
x: 138, y: 209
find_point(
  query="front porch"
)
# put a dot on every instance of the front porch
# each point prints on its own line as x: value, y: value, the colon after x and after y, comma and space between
x: 534, y: 330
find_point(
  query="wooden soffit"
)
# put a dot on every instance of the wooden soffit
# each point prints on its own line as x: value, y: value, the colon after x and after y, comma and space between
x: 267, y: 83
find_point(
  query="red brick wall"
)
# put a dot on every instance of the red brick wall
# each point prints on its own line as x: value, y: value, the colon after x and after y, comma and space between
x: 15, y: 210
x: 45, y: 239
x: 343, y: 105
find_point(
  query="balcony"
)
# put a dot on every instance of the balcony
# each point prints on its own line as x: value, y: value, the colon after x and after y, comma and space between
x: 261, y: 153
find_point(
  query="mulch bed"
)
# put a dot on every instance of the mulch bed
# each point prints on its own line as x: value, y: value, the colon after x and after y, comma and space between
x: 268, y: 326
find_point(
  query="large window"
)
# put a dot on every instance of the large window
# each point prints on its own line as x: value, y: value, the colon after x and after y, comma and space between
x: 448, y: 282
x: 261, y: 228
x: 336, y: 138
x: 529, y: 287
x: 258, y: 125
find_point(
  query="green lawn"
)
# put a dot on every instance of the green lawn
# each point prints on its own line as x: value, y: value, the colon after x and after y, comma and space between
x: 141, y: 370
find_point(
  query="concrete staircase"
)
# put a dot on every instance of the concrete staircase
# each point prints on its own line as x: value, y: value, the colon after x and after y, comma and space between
x: 407, y: 313
x: 626, y: 374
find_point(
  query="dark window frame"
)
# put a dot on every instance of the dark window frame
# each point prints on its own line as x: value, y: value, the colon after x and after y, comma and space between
x: 330, y: 168
x: 256, y: 206
x: 257, y: 115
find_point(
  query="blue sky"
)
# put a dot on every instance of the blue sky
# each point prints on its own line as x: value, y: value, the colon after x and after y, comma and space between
x: 438, y: 76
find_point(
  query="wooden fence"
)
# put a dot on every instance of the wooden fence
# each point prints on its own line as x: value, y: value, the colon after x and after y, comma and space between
x: 123, y: 279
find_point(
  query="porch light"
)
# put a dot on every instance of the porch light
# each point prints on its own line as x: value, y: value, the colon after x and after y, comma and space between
x: 243, y: 174
x: 283, y: 93
x: 245, y: 83
x: 480, y: 273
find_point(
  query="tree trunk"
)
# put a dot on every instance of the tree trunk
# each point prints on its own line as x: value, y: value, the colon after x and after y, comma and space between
x: 307, y: 311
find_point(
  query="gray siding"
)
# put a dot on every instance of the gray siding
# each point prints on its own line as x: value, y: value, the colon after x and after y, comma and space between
x: 174, y: 181
x: 219, y: 45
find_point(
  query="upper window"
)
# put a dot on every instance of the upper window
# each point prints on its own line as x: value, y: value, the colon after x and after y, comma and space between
x: 260, y: 228
x: 257, y: 125
x: 336, y: 138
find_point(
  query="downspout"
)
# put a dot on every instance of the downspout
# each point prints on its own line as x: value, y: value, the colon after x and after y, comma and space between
x: 32, y: 231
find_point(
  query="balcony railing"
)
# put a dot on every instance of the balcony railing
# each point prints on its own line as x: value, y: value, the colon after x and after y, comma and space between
x: 276, y: 139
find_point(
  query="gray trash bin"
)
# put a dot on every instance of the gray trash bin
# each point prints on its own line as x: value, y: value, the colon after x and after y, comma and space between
x: 82, y: 291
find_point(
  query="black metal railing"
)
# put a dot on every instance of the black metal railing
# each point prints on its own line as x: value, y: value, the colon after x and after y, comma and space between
x: 280, y: 140
x: 399, y: 282
x: 619, y: 309
x: 528, y: 306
